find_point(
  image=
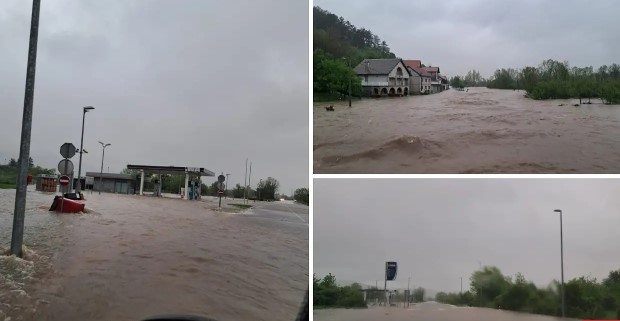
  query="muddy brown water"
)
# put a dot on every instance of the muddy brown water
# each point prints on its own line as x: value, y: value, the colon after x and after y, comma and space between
x: 132, y: 257
x: 480, y: 131
x: 428, y: 311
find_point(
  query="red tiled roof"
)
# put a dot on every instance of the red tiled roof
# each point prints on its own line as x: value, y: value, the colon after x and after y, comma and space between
x: 421, y: 71
x: 412, y: 63
x: 431, y: 69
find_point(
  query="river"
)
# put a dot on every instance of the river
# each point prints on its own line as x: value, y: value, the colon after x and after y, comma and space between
x: 480, y: 131
x: 131, y: 257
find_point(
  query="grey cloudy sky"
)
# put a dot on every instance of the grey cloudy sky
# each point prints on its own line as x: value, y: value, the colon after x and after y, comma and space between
x: 486, y: 35
x: 185, y: 83
x: 440, y: 229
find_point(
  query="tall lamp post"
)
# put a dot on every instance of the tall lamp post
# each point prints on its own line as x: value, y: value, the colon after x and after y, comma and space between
x: 101, y: 174
x: 78, y: 188
x: 561, y: 261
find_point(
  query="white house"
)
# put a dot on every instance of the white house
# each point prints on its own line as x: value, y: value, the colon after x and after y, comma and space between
x: 383, y: 77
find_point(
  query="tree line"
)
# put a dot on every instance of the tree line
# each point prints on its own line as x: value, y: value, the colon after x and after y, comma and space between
x: 266, y: 189
x: 586, y: 298
x: 338, y: 47
x: 557, y: 80
x: 328, y: 294
x: 8, y: 172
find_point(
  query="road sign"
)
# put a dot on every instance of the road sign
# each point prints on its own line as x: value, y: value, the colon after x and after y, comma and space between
x: 221, y: 178
x: 67, y: 150
x: 220, y: 186
x: 64, y: 180
x: 65, y: 167
x: 390, y: 271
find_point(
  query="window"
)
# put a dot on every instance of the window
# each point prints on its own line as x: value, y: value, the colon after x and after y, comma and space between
x: 399, y: 71
x: 366, y: 78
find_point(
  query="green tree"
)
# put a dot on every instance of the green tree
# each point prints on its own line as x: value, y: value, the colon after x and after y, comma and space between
x: 487, y: 284
x: 418, y: 294
x: 302, y: 195
x: 12, y: 162
x: 237, y: 192
x: 268, y: 188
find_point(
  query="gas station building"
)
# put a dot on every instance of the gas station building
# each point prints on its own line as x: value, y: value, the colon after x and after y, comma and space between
x: 193, y: 177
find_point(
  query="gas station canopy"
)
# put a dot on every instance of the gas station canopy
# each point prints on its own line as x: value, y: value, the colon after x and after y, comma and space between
x: 173, y: 170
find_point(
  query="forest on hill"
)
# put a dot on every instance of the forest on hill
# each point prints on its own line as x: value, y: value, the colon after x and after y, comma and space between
x: 338, y: 46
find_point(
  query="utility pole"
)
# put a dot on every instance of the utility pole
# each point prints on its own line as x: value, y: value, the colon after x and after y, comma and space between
x: 245, y: 183
x: 349, y: 65
x: 17, y: 236
x: 461, y: 285
x: 250, y: 180
x: 226, y: 187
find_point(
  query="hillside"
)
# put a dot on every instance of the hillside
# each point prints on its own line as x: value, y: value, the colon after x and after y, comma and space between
x: 338, y: 47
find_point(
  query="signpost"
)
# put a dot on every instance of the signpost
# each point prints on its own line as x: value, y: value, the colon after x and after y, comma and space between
x: 220, y: 186
x: 65, y: 167
x: 391, y: 268
x: 64, y: 181
x: 67, y: 150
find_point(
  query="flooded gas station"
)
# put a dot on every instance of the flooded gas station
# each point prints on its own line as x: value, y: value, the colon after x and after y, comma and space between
x: 130, y: 257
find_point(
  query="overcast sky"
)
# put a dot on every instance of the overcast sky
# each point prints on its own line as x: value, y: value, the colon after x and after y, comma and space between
x: 486, y: 35
x: 184, y: 83
x: 441, y: 229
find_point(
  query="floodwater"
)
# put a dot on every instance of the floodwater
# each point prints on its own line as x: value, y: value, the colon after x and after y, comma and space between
x: 480, y: 131
x: 428, y: 311
x: 132, y: 257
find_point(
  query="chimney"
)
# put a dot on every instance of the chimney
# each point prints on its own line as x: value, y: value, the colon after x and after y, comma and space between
x: 367, y: 66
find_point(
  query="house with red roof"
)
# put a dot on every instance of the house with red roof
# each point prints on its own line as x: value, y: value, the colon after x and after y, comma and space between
x: 420, y: 80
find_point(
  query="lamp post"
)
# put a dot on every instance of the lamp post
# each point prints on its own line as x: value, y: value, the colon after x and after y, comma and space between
x: 79, y: 183
x: 561, y: 261
x: 101, y: 174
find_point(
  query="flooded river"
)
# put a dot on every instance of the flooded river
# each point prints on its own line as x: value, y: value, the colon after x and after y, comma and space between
x: 132, y: 257
x: 480, y: 131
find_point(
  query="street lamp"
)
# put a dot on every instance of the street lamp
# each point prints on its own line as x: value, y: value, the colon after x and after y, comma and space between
x: 79, y: 184
x: 561, y: 260
x: 101, y: 174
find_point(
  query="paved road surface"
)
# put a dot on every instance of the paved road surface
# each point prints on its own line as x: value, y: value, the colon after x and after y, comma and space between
x: 428, y: 311
x: 285, y: 211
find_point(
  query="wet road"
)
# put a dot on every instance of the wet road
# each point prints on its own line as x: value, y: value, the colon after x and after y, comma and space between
x: 428, y: 311
x: 480, y: 131
x: 133, y: 257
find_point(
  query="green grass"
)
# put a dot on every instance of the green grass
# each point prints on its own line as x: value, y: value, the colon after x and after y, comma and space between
x: 7, y: 185
x: 242, y: 206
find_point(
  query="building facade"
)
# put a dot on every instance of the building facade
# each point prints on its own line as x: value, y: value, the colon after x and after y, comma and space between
x: 383, y: 77
x: 111, y: 183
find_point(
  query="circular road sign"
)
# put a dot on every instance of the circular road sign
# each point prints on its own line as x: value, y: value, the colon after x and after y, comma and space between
x: 64, y: 180
x: 65, y: 167
x: 221, y: 178
x: 67, y: 150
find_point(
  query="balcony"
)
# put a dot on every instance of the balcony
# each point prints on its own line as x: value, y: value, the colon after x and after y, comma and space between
x: 375, y: 83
